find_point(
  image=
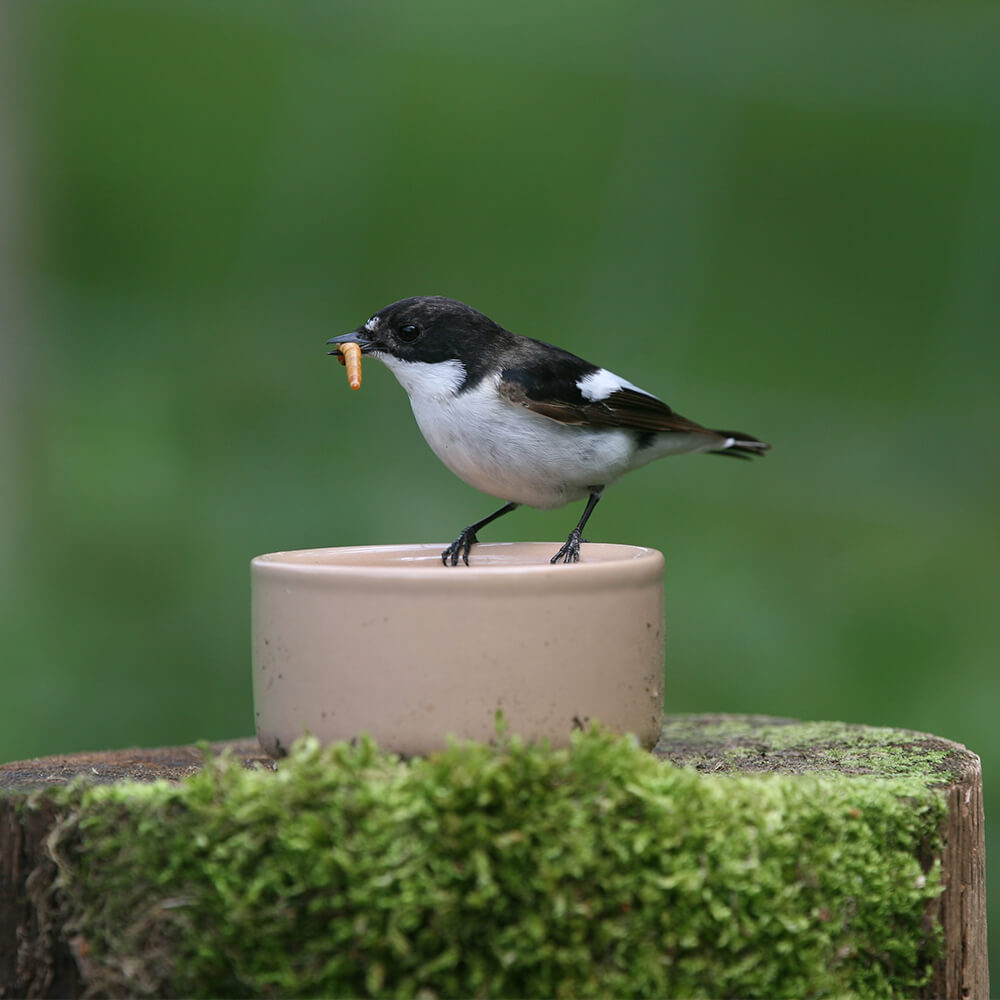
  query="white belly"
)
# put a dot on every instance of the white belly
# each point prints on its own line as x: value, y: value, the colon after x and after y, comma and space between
x: 511, y: 453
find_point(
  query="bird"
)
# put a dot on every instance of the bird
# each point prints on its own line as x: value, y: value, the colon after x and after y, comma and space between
x: 522, y: 420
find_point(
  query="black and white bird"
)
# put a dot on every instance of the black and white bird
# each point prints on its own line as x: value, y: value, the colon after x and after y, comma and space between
x: 522, y: 420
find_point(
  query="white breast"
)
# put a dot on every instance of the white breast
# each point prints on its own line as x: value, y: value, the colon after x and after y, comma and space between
x: 505, y: 449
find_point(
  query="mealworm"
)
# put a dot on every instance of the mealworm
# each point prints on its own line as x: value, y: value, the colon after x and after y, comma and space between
x: 350, y: 355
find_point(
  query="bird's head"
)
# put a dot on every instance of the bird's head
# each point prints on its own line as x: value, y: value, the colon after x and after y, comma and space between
x: 427, y: 328
x: 425, y: 338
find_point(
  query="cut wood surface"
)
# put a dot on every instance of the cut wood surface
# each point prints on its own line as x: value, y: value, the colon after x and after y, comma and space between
x: 37, y: 960
x: 134, y: 764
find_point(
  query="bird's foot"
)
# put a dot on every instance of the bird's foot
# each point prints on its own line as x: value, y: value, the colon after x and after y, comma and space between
x: 459, y: 549
x: 570, y: 552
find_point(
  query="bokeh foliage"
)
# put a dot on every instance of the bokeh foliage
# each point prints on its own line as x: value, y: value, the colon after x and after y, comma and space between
x: 780, y: 217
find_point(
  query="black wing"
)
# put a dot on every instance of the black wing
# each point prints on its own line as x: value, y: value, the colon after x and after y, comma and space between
x: 559, y: 398
x: 553, y: 391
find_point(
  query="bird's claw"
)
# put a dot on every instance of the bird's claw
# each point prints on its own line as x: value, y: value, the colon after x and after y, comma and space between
x: 459, y: 549
x: 570, y: 552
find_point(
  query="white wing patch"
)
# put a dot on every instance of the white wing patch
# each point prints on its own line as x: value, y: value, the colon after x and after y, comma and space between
x: 597, y: 386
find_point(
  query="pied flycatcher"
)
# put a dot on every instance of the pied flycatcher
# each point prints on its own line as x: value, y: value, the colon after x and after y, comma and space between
x: 522, y: 420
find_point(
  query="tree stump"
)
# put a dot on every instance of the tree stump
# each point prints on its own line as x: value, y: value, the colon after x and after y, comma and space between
x: 719, y: 743
x: 40, y: 957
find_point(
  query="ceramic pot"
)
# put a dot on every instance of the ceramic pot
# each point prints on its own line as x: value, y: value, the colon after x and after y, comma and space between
x: 386, y: 640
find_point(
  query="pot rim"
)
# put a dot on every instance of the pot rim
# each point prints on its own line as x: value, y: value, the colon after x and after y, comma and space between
x: 420, y: 561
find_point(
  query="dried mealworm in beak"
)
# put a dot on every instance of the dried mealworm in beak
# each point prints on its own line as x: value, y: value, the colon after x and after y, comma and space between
x: 350, y: 355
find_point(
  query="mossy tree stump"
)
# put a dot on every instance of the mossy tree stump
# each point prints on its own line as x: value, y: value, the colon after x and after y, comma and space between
x: 782, y: 859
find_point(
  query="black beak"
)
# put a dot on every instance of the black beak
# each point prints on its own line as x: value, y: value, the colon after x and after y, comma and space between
x: 360, y: 337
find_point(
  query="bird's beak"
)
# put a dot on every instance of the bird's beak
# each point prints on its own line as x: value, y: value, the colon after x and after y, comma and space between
x: 361, y: 337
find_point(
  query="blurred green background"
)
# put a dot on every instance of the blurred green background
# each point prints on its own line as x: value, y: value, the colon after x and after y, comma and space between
x: 781, y: 217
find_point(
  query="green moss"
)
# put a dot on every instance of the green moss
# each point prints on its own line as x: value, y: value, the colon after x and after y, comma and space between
x: 785, y: 745
x: 501, y: 871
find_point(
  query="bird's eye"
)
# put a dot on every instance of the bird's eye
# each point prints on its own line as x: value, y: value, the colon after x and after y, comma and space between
x: 409, y: 332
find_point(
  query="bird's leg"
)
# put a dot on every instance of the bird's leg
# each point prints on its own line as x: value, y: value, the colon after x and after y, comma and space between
x: 460, y: 547
x: 570, y: 552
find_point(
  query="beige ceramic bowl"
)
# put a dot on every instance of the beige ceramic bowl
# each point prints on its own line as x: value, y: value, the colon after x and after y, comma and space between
x: 386, y: 640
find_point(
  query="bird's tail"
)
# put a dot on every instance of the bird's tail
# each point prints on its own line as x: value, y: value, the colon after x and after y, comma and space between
x: 738, y: 445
